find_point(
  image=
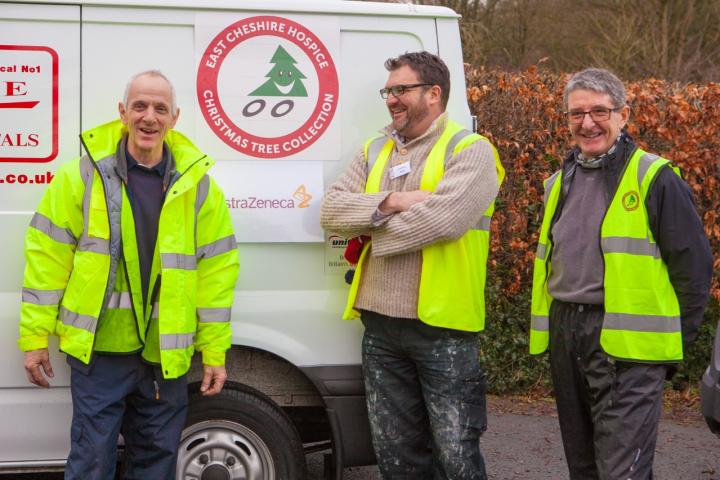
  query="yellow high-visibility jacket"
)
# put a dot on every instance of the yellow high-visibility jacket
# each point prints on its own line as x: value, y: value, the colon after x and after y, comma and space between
x: 82, y: 274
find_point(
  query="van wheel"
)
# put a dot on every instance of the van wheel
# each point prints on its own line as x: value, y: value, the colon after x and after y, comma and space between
x: 238, y: 434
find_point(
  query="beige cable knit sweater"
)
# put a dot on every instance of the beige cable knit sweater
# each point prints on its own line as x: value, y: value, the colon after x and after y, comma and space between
x: 391, y: 273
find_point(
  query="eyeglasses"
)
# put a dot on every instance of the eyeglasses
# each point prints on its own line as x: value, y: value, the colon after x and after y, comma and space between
x: 399, y: 90
x: 598, y: 114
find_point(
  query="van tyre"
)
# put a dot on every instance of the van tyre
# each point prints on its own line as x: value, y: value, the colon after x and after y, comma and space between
x: 238, y: 434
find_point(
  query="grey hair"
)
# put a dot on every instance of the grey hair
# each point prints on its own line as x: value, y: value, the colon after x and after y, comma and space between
x: 597, y: 80
x: 152, y: 73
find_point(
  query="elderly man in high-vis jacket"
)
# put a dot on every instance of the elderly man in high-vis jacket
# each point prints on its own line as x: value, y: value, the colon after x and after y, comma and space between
x: 131, y: 262
x: 622, y: 275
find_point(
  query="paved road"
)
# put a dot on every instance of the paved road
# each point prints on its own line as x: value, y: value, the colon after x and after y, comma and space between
x: 527, y: 447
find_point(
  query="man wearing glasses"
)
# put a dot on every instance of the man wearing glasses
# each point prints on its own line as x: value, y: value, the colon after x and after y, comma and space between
x: 622, y: 275
x: 424, y: 192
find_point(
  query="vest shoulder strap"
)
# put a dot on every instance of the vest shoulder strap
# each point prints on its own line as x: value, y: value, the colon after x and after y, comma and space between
x: 649, y: 165
x: 372, y: 149
x: 455, y: 140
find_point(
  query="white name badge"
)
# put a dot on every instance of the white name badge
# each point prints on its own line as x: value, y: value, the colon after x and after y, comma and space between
x: 399, y: 170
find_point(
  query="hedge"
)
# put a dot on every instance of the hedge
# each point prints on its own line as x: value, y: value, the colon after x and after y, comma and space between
x: 522, y: 114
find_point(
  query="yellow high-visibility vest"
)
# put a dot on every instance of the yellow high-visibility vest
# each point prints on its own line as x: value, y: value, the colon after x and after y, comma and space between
x: 452, y: 279
x: 642, y: 313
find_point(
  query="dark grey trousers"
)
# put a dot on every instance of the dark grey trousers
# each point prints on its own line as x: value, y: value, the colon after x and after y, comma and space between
x: 608, y: 410
x: 426, y: 399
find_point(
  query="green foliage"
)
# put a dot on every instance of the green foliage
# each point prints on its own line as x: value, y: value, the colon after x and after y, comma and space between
x: 504, y: 345
x: 697, y: 358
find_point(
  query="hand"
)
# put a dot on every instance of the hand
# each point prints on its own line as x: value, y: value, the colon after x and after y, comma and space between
x: 34, y: 359
x: 402, y: 201
x: 213, y: 380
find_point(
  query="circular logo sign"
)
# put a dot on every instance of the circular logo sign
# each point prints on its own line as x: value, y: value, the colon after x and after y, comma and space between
x: 267, y: 87
x: 631, y: 201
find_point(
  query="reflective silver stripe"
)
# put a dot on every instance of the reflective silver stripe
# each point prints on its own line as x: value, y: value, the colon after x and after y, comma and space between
x: 484, y: 223
x: 217, y: 247
x: 93, y: 244
x: 87, y: 243
x: 643, y: 165
x: 45, y: 225
x: 632, y: 246
x: 120, y: 300
x: 541, y: 251
x: 641, y: 323
x: 450, y: 149
x: 540, y: 323
x: 42, y: 297
x: 173, y: 341
x: 201, y: 193
x: 208, y: 315
x: 155, y: 313
x: 84, y: 322
x: 203, y: 187
x: 178, y: 260
x: 86, y: 172
x: 374, y: 150
x: 549, y: 185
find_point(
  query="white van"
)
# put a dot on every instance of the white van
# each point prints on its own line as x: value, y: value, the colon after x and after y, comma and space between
x: 295, y: 383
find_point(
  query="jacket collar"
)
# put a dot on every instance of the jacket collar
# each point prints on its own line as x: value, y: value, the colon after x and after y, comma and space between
x: 104, y: 140
x: 612, y: 168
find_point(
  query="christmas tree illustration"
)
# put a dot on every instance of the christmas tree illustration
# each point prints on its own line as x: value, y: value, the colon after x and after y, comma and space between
x: 284, y: 79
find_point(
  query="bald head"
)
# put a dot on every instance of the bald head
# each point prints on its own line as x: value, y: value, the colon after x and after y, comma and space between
x: 151, y: 73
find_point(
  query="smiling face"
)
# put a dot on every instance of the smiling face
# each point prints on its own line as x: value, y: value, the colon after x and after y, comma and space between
x: 148, y: 117
x: 414, y: 110
x: 595, y: 138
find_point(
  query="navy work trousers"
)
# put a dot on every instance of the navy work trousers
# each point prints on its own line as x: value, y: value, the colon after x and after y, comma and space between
x: 123, y: 393
x: 426, y: 399
x: 608, y: 410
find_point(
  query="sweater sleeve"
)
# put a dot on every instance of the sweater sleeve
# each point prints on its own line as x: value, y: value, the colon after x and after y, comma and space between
x: 346, y: 209
x: 684, y: 247
x: 466, y: 190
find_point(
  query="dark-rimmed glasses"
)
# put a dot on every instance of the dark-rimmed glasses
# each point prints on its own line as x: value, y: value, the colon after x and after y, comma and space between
x: 598, y: 114
x: 399, y: 90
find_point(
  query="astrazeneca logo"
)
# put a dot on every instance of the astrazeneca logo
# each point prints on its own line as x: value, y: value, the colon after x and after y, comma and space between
x: 267, y: 87
x: 300, y: 198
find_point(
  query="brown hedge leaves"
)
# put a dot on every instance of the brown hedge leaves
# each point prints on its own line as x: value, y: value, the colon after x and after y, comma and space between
x: 522, y: 114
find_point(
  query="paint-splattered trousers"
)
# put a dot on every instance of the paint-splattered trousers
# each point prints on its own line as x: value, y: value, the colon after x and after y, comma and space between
x: 426, y: 399
x: 608, y: 410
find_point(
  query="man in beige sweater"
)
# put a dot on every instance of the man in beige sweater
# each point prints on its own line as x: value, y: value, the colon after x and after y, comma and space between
x: 424, y: 193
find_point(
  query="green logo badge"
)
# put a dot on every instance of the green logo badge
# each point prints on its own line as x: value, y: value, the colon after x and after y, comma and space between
x: 284, y: 79
x: 631, y: 201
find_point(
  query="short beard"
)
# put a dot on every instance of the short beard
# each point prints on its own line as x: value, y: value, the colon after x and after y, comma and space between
x: 400, y: 125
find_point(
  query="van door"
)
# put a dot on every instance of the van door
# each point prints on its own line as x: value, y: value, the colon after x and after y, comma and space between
x: 39, y: 127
